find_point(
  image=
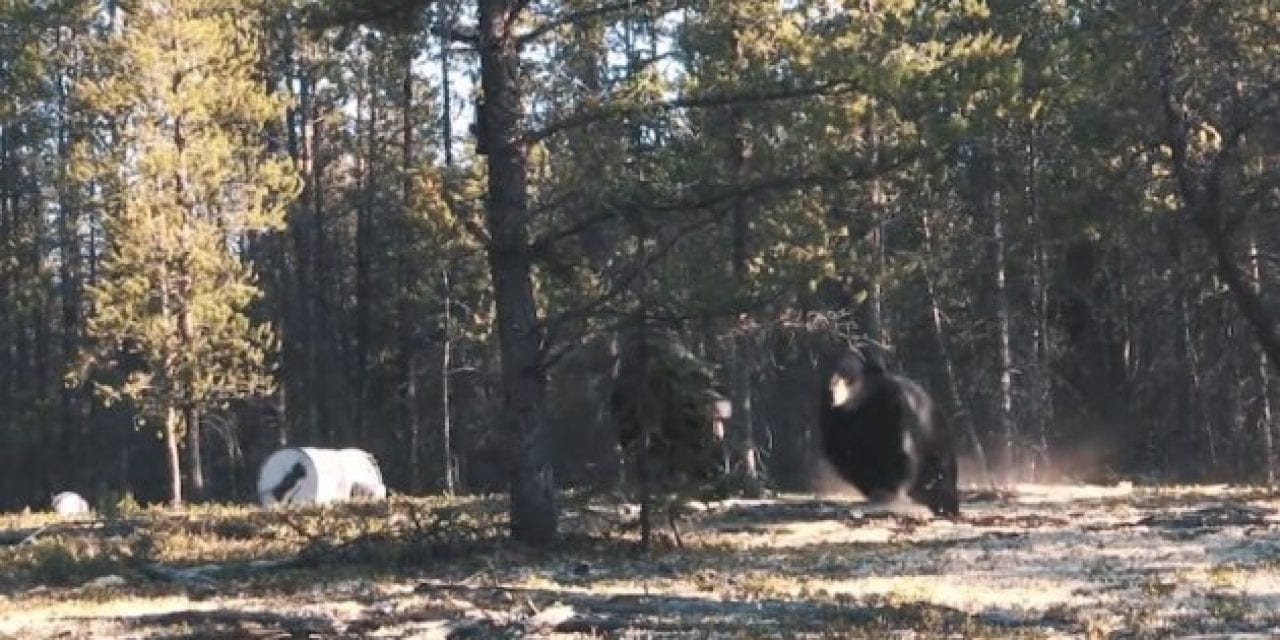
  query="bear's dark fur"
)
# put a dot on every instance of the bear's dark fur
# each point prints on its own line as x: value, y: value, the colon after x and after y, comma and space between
x: 884, y: 436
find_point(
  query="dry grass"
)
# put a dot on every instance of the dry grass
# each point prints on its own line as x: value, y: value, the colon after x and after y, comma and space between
x: 1035, y: 562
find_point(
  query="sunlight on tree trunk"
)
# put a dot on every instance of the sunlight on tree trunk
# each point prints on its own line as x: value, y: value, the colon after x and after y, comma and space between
x: 171, y: 425
x: 533, y: 501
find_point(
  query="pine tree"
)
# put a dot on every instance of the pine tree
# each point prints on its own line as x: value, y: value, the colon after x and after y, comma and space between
x: 173, y: 302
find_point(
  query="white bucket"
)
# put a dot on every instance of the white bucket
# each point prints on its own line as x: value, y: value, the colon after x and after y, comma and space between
x: 309, y: 475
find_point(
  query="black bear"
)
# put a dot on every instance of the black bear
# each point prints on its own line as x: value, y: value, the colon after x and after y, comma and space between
x: 884, y: 436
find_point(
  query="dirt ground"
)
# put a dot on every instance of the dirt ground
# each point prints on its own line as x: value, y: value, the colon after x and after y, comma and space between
x: 1034, y: 562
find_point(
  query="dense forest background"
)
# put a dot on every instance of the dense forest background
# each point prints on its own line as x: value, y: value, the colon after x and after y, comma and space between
x: 420, y: 228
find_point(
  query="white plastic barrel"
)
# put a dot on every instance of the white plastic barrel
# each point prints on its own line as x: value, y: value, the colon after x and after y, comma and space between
x: 310, y: 475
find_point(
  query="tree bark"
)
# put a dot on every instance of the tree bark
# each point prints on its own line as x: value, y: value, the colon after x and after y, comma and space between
x: 322, y: 335
x: 408, y: 345
x: 446, y: 383
x: 944, y: 350
x: 1040, y: 379
x: 520, y: 336
x: 69, y: 269
x: 1008, y: 426
x: 744, y: 353
x: 874, y: 328
x: 744, y: 360
x: 1250, y: 302
x: 8, y: 430
x: 451, y: 474
x: 171, y: 423
x: 365, y: 297
x: 1200, y: 193
x: 1265, y: 429
x: 414, y: 425
x: 1266, y: 425
x: 984, y: 182
x: 446, y: 89
x: 195, y: 452
x: 306, y: 258
x: 1195, y: 414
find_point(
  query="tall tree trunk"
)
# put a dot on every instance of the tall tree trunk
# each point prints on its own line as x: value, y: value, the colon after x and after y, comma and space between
x: 69, y: 275
x: 744, y: 351
x: 365, y: 296
x: 1008, y: 426
x: 171, y: 424
x: 1187, y: 412
x: 1040, y: 379
x: 643, y: 457
x: 414, y: 425
x: 534, y: 516
x: 8, y: 430
x: 1250, y: 303
x: 446, y: 87
x: 1237, y: 377
x: 1266, y: 422
x: 944, y: 350
x: 306, y: 258
x: 1195, y: 415
x: 645, y: 477
x: 282, y: 416
x: 1266, y: 430
x: 172, y: 418
x: 874, y: 323
x: 1201, y: 196
x: 189, y: 413
x: 446, y: 383
x: 744, y: 360
x: 323, y: 339
x: 44, y: 378
x: 195, y: 452
x: 987, y: 198
x: 408, y: 347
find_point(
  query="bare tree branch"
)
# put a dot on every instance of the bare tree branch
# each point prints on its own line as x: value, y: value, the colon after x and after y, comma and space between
x: 558, y: 344
x: 455, y: 33
x: 615, y: 108
x: 1201, y: 194
x: 557, y: 347
x: 594, y: 12
x: 714, y: 196
x: 724, y: 194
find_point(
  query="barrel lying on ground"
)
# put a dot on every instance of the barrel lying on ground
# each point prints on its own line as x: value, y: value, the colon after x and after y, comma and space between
x: 311, y: 475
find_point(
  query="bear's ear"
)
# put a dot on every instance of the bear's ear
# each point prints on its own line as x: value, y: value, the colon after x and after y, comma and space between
x: 872, y: 356
x: 847, y: 364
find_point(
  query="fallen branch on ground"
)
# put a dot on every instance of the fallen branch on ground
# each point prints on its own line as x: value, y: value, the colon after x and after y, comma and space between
x: 195, y: 618
x: 15, y: 537
x: 203, y: 579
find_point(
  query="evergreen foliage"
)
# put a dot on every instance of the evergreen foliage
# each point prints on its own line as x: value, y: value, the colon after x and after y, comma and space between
x: 422, y: 227
x: 171, y: 309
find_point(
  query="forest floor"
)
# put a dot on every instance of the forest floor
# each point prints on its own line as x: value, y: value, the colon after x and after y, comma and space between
x: 1033, y: 562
